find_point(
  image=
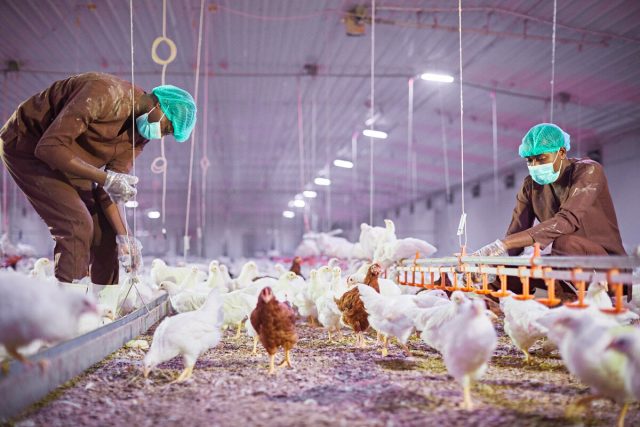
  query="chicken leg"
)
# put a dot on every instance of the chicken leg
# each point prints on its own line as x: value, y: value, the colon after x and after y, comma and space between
x: 255, y: 346
x: 405, y: 349
x: 623, y: 414
x: 385, y: 343
x: 272, y: 361
x: 329, y: 334
x: 467, y: 403
x: 238, y: 331
x: 287, y: 359
x: 576, y: 409
x: 184, y: 375
x: 527, y: 356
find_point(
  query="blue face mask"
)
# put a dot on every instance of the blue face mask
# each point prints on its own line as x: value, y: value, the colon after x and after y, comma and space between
x: 544, y: 174
x: 149, y: 130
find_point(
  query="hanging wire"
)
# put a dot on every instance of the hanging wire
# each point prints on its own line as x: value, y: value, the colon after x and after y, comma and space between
x: 5, y: 218
x: 133, y: 117
x: 301, y: 146
x: 372, y: 109
x: 553, y: 58
x: 204, y: 161
x: 410, y: 139
x: 193, y: 136
x: 579, y: 135
x: 494, y: 126
x: 443, y: 131
x: 462, y: 227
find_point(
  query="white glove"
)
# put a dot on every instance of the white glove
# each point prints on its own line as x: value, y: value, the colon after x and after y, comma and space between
x: 496, y: 248
x: 129, y: 252
x: 120, y: 186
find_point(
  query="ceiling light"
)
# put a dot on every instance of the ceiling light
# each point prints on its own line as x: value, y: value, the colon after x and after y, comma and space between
x: 288, y: 214
x: 290, y: 204
x: 343, y: 163
x: 310, y: 194
x: 434, y: 77
x: 375, y: 133
x: 299, y: 203
x: 131, y: 204
x: 153, y: 214
x: 322, y: 181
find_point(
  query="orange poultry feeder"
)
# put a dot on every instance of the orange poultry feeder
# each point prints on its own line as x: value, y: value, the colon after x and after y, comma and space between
x: 468, y: 284
x: 455, y: 286
x: 432, y: 281
x: 443, y: 282
x: 503, y: 284
x: 618, y: 288
x: 485, y: 283
x: 422, y: 283
x: 525, y: 285
x: 551, y: 299
x: 580, y: 284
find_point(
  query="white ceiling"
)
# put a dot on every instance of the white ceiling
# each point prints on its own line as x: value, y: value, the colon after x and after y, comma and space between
x: 254, y: 54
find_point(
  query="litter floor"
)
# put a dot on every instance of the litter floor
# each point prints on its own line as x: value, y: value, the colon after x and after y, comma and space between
x: 330, y: 384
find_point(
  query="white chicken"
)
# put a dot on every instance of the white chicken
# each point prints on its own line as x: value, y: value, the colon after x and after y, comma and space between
x: 628, y: 344
x: 237, y: 306
x: 431, y: 321
x: 160, y: 271
x: 187, y: 334
x: 393, y: 251
x: 91, y: 321
x: 520, y: 322
x: 468, y: 345
x: 30, y: 311
x: 43, y: 270
x: 216, y: 279
x: 583, y: 341
x: 248, y: 272
x: 372, y: 237
x: 183, y: 300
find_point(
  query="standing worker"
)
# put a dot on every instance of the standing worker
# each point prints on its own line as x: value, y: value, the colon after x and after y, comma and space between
x: 570, y: 199
x: 70, y: 148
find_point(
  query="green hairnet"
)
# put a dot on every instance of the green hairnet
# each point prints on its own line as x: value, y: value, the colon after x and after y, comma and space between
x: 179, y: 107
x: 544, y: 138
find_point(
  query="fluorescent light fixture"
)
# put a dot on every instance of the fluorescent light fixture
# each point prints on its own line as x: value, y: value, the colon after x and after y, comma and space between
x: 288, y: 214
x: 299, y: 203
x: 132, y: 204
x: 435, y: 77
x: 322, y: 181
x: 153, y: 214
x: 290, y: 204
x: 375, y: 133
x: 343, y: 163
x: 310, y: 194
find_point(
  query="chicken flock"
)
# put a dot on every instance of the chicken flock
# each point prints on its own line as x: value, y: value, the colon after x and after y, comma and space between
x: 265, y: 301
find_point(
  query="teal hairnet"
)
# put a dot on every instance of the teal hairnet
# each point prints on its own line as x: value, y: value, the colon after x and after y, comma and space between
x: 180, y: 109
x: 544, y: 138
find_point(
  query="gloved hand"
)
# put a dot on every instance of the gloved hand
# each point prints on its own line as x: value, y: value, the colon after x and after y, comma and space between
x: 120, y: 186
x: 129, y: 252
x: 496, y: 248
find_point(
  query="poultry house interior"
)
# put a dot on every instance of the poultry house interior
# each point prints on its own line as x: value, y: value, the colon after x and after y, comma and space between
x: 319, y: 212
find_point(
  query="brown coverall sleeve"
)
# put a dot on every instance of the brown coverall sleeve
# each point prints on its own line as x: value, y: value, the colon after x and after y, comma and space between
x: 588, y: 182
x: 523, y: 216
x: 86, y: 104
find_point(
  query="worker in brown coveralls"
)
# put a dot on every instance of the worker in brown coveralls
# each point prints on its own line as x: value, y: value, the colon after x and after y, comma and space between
x: 70, y: 148
x: 569, y: 197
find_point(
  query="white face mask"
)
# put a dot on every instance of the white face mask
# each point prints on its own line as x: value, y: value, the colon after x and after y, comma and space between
x: 149, y: 130
x: 544, y: 174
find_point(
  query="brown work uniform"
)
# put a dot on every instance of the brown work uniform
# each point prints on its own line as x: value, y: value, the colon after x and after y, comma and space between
x: 575, y: 213
x: 90, y: 115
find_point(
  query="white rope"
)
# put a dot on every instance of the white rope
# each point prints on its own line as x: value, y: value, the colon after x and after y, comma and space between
x: 410, y: 186
x: 301, y: 143
x: 494, y: 126
x: 553, y: 58
x: 133, y: 117
x: 443, y: 131
x: 193, y: 137
x: 372, y: 108
x: 462, y: 228
x: 204, y: 161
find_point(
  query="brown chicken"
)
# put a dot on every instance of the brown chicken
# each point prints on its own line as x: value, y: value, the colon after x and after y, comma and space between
x: 350, y: 304
x: 296, y: 266
x: 274, y: 322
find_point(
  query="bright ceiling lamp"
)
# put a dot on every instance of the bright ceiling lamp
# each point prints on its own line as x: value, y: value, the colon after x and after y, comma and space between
x: 343, y: 163
x: 375, y: 133
x: 153, y: 214
x: 131, y: 204
x: 299, y: 203
x: 310, y: 194
x: 322, y: 181
x: 435, y: 77
x: 288, y: 214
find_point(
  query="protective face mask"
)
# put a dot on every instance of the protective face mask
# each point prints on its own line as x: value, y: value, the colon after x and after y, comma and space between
x: 149, y: 130
x: 544, y: 174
